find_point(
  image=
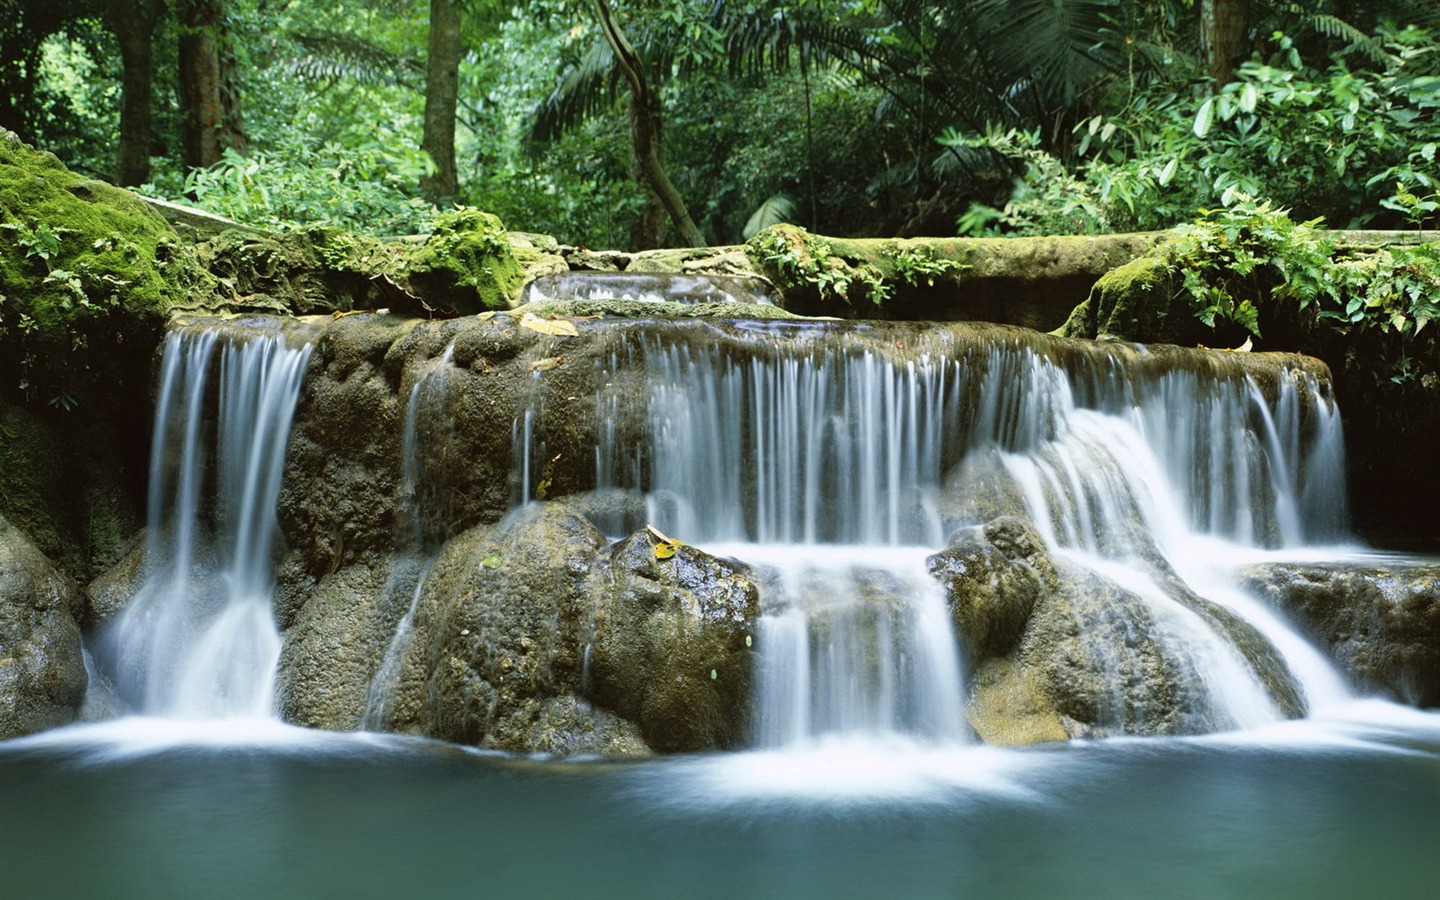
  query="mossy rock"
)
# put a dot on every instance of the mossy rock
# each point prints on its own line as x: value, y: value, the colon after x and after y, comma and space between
x: 1030, y: 281
x: 31, y: 480
x: 304, y: 271
x: 83, y: 266
x: 466, y: 264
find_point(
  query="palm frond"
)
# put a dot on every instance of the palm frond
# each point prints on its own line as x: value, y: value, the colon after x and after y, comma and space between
x: 333, y: 55
x: 776, y: 209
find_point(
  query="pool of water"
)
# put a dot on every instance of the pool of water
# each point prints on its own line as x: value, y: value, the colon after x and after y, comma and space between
x: 1343, y: 807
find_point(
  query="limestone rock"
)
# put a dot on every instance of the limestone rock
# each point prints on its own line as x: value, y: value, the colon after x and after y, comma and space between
x: 670, y: 646
x: 1381, y: 624
x: 42, y: 670
x: 498, y: 636
x: 1058, y: 650
x: 339, y: 639
x: 994, y: 577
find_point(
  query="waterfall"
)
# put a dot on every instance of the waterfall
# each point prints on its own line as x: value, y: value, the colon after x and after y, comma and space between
x: 427, y: 404
x: 829, y: 461
x: 199, y: 639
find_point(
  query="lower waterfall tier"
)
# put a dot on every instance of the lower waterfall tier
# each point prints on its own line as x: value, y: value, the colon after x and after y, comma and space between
x: 465, y: 554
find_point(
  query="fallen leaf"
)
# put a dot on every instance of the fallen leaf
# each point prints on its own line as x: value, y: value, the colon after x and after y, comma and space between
x: 549, y: 326
x: 546, y: 364
x: 664, y: 547
x: 487, y: 314
x: 491, y: 562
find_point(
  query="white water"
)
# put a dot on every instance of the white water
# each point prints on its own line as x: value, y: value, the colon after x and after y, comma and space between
x: 427, y: 397
x: 199, y: 639
x: 827, y: 460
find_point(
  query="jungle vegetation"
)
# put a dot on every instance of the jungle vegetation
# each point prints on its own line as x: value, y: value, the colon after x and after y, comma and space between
x: 637, y: 123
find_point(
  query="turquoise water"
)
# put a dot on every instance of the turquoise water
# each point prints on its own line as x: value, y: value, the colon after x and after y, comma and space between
x: 1343, y: 808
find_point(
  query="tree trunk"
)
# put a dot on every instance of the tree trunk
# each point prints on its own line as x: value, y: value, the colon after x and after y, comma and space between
x: 442, y: 85
x: 209, y: 94
x: 1224, y: 29
x: 29, y: 24
x: 133, y: 22
x: 645, y: 128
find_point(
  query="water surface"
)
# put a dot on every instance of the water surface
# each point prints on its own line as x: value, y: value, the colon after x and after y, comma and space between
x: 1343, y: 807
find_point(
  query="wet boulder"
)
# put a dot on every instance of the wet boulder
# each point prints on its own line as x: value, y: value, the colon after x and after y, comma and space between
x: 1058, y: 650
x: 497, y: 640
x: 1380, y: 624
x: 42, y: 670
x: 338, y: 639
x: 993, y: 576
x: 673, y: 631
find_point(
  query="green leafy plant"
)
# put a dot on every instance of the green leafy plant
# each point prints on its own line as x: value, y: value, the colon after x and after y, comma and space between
x: 1233, y: 259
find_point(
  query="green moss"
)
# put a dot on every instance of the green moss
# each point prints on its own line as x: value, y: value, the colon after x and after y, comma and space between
x: 82, y: 265
x: 466, y: 264
x: 1137, y: 301
x: 305, y: 271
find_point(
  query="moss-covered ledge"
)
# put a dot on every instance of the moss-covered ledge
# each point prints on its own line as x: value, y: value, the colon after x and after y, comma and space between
x: 1031, y: 281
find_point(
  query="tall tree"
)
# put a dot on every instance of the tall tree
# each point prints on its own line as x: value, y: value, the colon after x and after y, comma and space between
x: 442, y: 86
x: 1224, y: 36
x: 645, y: 128
x: 133, y: 22
x: 24, y: 27
x: 209, y: 94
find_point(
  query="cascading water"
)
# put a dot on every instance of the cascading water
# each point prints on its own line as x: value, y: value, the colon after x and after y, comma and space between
x: 426, y: 403
x: 199, y: 639
x: 830, y: 461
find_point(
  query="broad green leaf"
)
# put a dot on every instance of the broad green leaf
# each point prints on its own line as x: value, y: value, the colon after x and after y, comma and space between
x: 1248, y: 98
x: 1168, y: 172
x: 1204, y: 118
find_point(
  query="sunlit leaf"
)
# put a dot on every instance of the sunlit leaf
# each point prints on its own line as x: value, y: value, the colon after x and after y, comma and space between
x: 546, y: 364
x: 549, y: 326
x: 1204, y: 118
x: 491, y: 562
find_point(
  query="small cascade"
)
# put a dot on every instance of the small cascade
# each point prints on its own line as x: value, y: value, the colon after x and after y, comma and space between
x: 1161, y: 487
x: 821, y: 466
x: 426, y: 403
x: 829, y: 458
x: 649, y: 287
x: 199, y: 639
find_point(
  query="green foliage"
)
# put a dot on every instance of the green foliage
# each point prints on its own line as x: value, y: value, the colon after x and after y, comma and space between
x: 800, y: 262
x: 82, y: 264
x: 1328, y: 143
x: 1231, y: 260
x: 363, y: 189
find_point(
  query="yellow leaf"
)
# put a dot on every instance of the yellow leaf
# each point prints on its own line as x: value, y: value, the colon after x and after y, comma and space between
x: 664, y: 547
x: 546, y: 364
x: 1243, y: 348
x: 549, y: 326
x: 488, y: 314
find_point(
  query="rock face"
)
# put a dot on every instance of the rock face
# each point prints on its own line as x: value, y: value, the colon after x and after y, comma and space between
x: 671, y: 644
x: 1058, y: 651
x: 42, y: 671
x: 1382, y: 625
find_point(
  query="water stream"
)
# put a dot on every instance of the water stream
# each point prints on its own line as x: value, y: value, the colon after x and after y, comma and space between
x: 832, y: 462
x: 199, y: 639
